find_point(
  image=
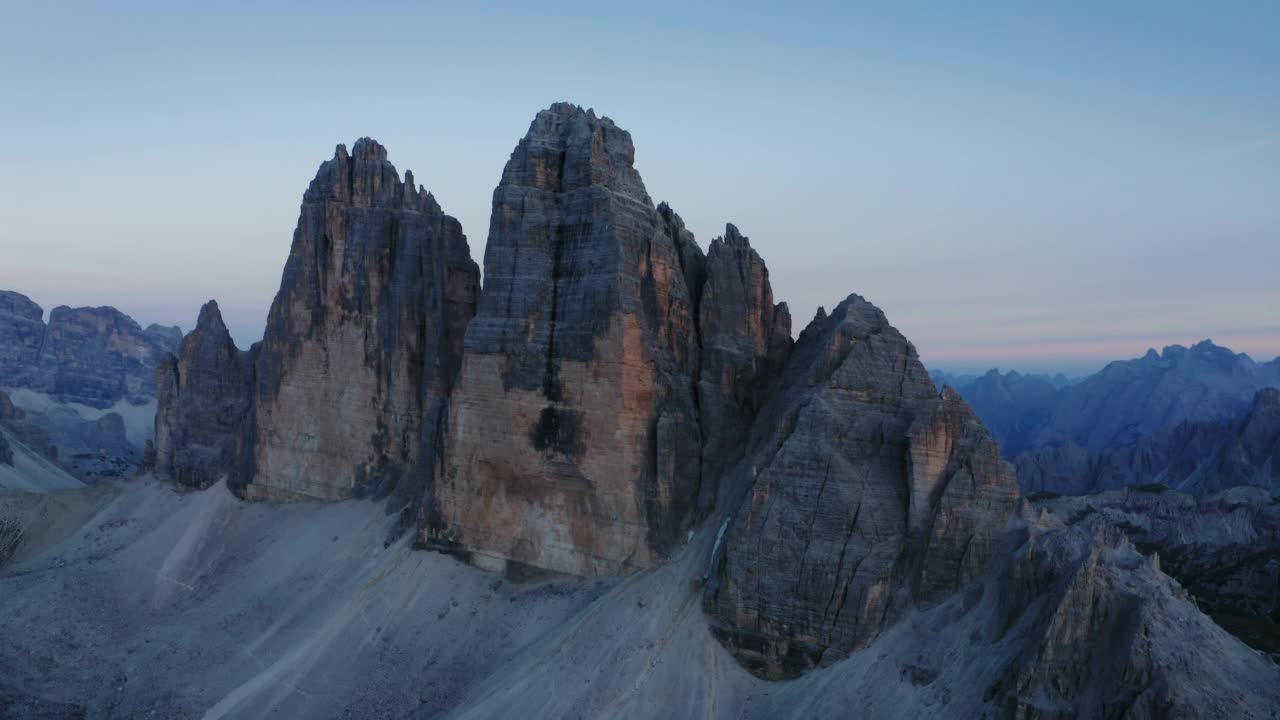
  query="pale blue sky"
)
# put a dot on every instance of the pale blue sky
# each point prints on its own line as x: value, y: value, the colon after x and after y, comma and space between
x: 1016, y: 186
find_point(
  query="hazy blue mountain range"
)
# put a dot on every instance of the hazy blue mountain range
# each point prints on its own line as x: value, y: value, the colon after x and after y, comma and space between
x: 1175, y: 417
x: 1124, y: 401
x: 1200, y: 458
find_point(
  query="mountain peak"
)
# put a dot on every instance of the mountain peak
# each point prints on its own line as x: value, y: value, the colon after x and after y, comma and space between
x: 567, y: 148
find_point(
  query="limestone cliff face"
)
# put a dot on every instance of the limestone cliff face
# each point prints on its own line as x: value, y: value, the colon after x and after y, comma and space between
x: 363, y: 337
x: 746, y: 339
x: 573, y: 438
x: 203, y: 405
x: 21, y: 334
x: 94, y: 356
x: 870, y: 494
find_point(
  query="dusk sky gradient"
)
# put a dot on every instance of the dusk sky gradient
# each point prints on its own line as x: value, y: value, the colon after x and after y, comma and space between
x: 1016, y: 186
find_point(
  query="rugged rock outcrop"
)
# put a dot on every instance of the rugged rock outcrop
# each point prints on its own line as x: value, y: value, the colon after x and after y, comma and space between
x: 21, y: 334
x: 204, y: 400
x: 1196, y: 457
x: 98, y: 356
x: 92, y: 356
x: 363, y: 337
x: 1102, y: 632
x: 746, y: 339
x: 1224, y: 548
x: 573, y: 439
x: 871, y: 494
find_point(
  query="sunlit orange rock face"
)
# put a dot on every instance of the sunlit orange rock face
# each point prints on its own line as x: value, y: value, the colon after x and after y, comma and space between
x: 363, y: 338
x: 573, y: 440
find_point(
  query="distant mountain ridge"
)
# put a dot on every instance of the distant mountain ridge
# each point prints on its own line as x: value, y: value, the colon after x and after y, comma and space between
x: 1200, y: 419
x: 80, y: 391
x: 1123, y: 402
x: 1200, y: 458
x: 94, y: 356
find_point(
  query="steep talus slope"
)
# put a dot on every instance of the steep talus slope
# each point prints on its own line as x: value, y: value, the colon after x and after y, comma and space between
x: 1197, y: 457
x: 25, y: 468
x: 573, y: 440
x: 872, y: 494
x: 185, y: 605
x: 362, y: 337
x: 59, y: 441
x: 178, y: 605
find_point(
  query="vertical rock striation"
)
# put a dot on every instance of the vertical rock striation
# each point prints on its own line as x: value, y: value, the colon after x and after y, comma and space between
x: 363, y: 337
x: 91, y: 356
x: 573, y: 437
x: 21, y: 334
x: 871, y: 493
x: 203, y: 404
x: 745, y: 339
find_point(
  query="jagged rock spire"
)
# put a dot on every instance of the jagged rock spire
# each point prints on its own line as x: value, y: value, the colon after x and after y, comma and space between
x: 363, y: 337
x: 203, y: 402
x: 573, y: 439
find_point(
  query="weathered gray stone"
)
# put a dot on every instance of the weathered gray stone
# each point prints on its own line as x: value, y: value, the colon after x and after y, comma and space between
x: 745, y: 339
x: 870, y: 495
x: 1222, y: 548
x: 573, y: 439
x: 363, y: 338
x: 21, y: 333
x: 203, y: 405
x: 1105, y: 633
x: 92, y: 356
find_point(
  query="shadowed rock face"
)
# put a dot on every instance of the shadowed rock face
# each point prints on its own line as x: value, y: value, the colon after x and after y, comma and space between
x: 1106, y: 634
x: 870, y: 494
x: 1222, y: 548
x: 21, y: 333
x: 92, y: 356
x: 573, y: 439
x: 363, y: 337
x: 204, y: 399
x: 745, y: 342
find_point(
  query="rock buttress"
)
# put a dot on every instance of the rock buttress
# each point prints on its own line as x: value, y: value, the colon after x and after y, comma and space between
x: 203, y: 402
x: 573, y: 440
x: 746, y: 339
x: 870, y: 493
x: 363, y: 336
